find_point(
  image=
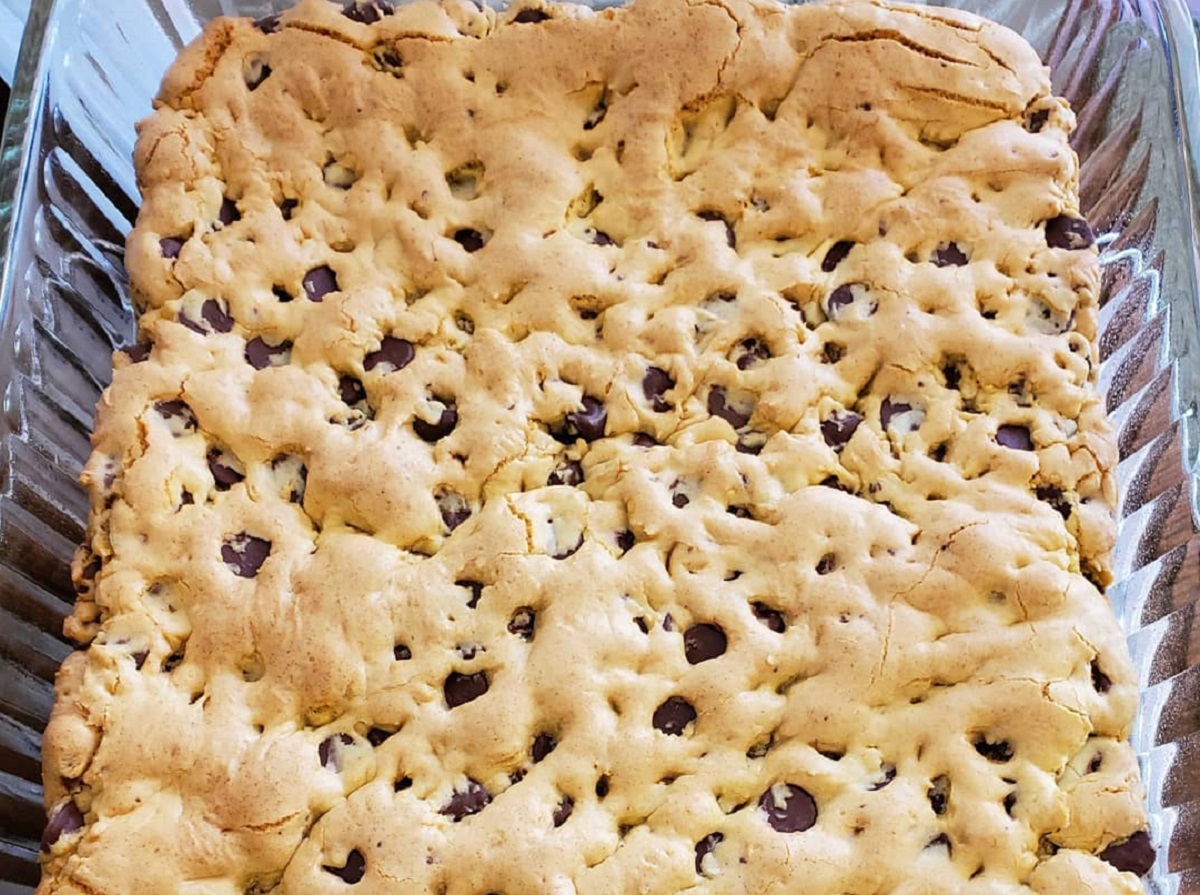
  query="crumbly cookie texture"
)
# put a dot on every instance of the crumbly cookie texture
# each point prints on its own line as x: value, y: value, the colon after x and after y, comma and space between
x: 568, y: 452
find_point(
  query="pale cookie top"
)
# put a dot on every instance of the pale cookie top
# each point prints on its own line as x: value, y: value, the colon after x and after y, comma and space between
x: 654, y: 450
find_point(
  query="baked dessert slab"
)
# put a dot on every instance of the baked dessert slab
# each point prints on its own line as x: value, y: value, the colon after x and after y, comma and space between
x: 636, y: 451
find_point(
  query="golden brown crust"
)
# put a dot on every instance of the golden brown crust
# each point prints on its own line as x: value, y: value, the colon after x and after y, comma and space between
x: 873, y: 457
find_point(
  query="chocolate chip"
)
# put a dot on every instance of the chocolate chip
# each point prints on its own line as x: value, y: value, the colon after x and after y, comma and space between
x: 214, y: 317
x: 138, y: 352
x: 436, y: 431
x: 139, y: 658
x: 471, y: 240
x: 351, y: 390
x: 718, y: 405
x: 402, y: 784
x: 1134, y: 855
x: 465, y: 802
x: 589, y: 422
x: 225, y: 475
x: 1065, y: 232
x: 750, y: 353
x: 173, y: 661
x: 401, y: 652
x: 329, y: 753
x: 393, y: 355
x: 888, y: 775
x: 531, y: 17
x: 939, y: 794
x: 459, y: 689
x: 841, y: 297
x: 669, y: 623
x: 889, y: 410
x: 998, y: 752
x: 673, y: 716
x: 1055, y: 498
x: 826, y: 564
x: 839, y: 428
x: 570, y: 473
x: 703, y: 642
x: 625, y: 540
x: 522, y: 623
x: 600, y: 238
x: 645, y: 440
x: 706, y: 847
x: 1015, y: 437
x: 655, y: 383
x: 1101, y: 682
x: 836, y: 255
x: 453, y: 507
x: 261, y: 354
x: 1010, y: 802
x: 66, y: 819
x: 832, y: 352
x: 789, y: 808
x: 229, y: 213
x: 772, y: 618
x: 267, y: 24
x: 948, y: 254
x: 352, y: 871
x: 170, y: 246
x: 245, y: 554
x: 288, y: 207
x: 377, y: 736
x: 680, y: 500
x: 368, y: 13
x: 319, y: 282
x: 543, y: 745
x: 730, y: 233
x: 563, y: 810
x: 602, y: 787
x: 281, y: 294
x: 1037, y: 121
x: 176, y: 410
x: 476, y: 589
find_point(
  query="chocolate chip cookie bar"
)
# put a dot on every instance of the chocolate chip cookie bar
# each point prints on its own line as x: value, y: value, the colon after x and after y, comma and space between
x: 641, y: 451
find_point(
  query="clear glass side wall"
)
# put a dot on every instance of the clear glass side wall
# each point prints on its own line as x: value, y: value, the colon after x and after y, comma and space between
x: 1129, y: 68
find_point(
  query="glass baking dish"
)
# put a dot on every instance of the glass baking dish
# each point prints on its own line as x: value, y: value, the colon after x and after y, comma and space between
x: 88, y: 71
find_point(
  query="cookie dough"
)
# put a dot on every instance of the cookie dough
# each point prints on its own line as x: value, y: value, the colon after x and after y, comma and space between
x: 631, y: 451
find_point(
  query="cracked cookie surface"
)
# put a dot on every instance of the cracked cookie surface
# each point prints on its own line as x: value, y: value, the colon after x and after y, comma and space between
x: 632, y: 451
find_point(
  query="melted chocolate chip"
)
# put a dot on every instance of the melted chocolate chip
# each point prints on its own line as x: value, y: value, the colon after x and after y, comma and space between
x: 224, y: 475
x: 939, y: 795
x: 319, y: 282
x: 531, y: 17
x: 841, y: 297
x: 139, y: 658
x: 1134, y: 855
x: 214, y: 318
x: 836, y: 255
x: 352, y: 871
x: 888, y: 775
x: 719, y: 406
x: 998, y: 752
x: 471, y: 240
x: 288, y: 207
x: 673, y: 716
x: 170, y: 246
x: 1055, y: 498
x: 543, y: 745
x: 706, y: 847
x: 839, y: 428
x: 66, y: 819
x: 789, y: 808
x: 368, y: 13
x: 563, y: 811
x: 465, y: 802
x: 730, y: 233
x: 1037, y: 121
x: 402, y: 784
x: 602, y: 787
x: 377, y: 736
x: 890, y: 409
x: 645, y: 440
x: 1015, y: 437
x: 351, y: 390
x: 522, y: 623
x: 476, y: 589
x: 459, y: 689
x: 1101, y: 682
x: 393, y: 355
x: 703, y: 642
x: 454, y: 509
x: 655, y: 384
x: 948, y: 254
x: 772, y: 618
x: 229, y: 213
x: 436, y: 431
x: 1065, y: 232
x: 281, y: 294
x: 260, y: 354
x: 570, y: 473
x: 589, y: 422
x: 245, y: 554
x: 750, y: 353
x: 680, y: 500
x: 138, y: 352
x: 625, y: 540
x: 329, y: 753
x: 267, y: 24
x: 401, y: 652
